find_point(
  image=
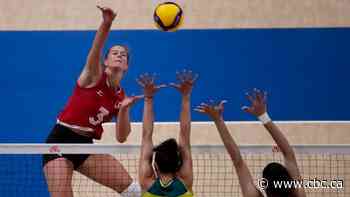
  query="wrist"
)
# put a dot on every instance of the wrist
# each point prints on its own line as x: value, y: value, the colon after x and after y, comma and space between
x: 218, y: 119
x: 107, y: 23
x: 148, y: 98
x: 186, y: 96
x: 124, y: 108
x: 264, y: 118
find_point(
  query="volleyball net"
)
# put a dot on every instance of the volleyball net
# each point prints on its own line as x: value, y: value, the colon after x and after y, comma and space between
x: 327, y: 167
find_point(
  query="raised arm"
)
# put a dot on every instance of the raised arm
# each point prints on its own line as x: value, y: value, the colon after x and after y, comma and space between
x: 146, y: 174
x: 123, y: 126
x: 186, y: 80
x: 258, y: 108
x: 244, y: 176
x: 93, y: 68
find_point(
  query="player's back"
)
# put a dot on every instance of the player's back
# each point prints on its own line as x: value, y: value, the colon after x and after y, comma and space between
x: 175, y: 188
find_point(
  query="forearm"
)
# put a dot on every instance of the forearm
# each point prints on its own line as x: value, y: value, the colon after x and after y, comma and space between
x: 243, y: 173
x: 123, y: 127
x: 145, y: 165
x: 185, y: 121
x: 148, y: 119
x: 229, y: 143
x: 97, y: 45
x: 279, y: 138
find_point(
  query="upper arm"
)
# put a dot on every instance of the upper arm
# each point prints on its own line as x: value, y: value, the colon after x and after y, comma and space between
x: 93, y: 67
x: 186, y: 170
x: 90, y: 75
x: 146, y: 174
x: 291, y: 165
x: 246, y: 181
x: 287, y: 151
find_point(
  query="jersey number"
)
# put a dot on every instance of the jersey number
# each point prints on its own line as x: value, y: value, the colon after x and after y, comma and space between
x: 99, y: 117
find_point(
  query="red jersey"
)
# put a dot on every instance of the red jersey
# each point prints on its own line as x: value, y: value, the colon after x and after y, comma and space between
x: 88, y: 108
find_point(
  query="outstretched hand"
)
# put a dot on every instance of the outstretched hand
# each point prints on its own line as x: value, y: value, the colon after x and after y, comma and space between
x: 107, y: 13
x: 129, y: 101
x: 186, y: 80
x: 213, y: 110
x: 258, y: 103
x: 146, y: 81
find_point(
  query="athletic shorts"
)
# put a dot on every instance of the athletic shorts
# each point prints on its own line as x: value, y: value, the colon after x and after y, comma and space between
x: 64, y: 135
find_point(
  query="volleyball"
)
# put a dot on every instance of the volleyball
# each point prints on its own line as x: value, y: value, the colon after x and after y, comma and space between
x: 168, y: 16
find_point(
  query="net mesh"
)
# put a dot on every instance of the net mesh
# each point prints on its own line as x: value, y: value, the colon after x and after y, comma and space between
x: 21, y: 171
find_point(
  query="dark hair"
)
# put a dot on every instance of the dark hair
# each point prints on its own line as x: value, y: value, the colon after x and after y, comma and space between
x: 167, y: 156
x: 124, y: 46
x: 276, y: 172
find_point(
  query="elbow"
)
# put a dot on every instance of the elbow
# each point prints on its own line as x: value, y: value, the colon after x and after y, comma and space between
x: 120, y: 139
x: 121, y: 134
x: 237, y: 159
x: 290, y: 155
x: 239, y: 163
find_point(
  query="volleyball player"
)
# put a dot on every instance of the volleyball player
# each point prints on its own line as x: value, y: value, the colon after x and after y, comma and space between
x: 273, y: 171
x: 172, y: 175
x: 97, y: 98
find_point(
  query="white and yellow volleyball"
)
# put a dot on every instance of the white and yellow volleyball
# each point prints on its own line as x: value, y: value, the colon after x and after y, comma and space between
x: 168, y: 16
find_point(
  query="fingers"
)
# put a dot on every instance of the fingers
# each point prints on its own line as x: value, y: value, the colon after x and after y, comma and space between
x: 194, y: 79
x: 265, y: 97
x: 211, y: 101
x: 186, y: 76
x: 247, y: 109
x: 199, y: 110
x: 174, y: 85
x: 180, y: 77
x: 212, y: 106
x: 108, y: 9
x: 204, y: 104
x: 103, y: 9
x: 156, y: 88
x: 258, y: 95
x: 221, y: 104
x: 249, y: 97
x: 145, y: 79
x: 140, y: 82
x: 99, y: 7
x: 138, y: 97
x: 162, y: 86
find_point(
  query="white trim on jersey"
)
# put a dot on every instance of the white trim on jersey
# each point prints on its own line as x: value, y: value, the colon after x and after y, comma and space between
x: 76, y: 127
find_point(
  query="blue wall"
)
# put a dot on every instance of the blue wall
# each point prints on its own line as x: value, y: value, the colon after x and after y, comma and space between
x: 304, y: 70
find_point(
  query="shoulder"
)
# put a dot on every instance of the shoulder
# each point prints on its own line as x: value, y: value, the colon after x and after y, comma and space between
x: 100, y: 80
x: 182, y: 183
x: 89, y: 78
x: 149, y: 185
